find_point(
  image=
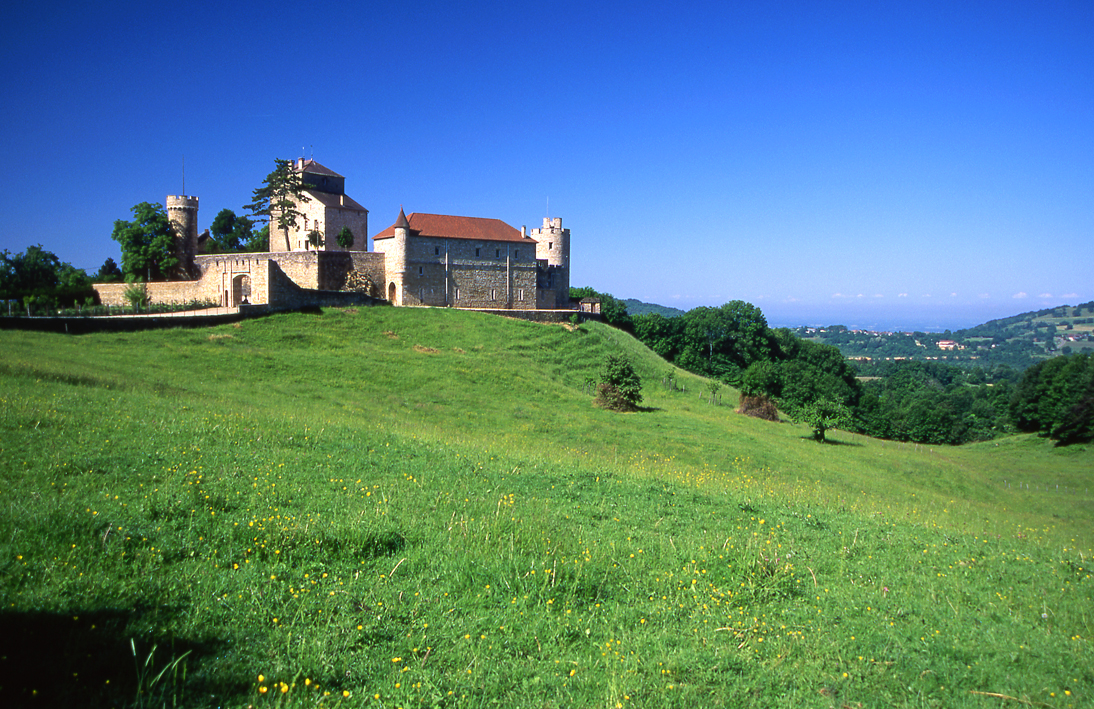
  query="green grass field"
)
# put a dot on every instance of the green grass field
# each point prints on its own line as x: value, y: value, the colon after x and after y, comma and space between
x: 422, y: 508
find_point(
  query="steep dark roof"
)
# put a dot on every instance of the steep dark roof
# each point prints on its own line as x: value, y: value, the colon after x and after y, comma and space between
x: 328, y: 199
x: 313, y: 168
x: 452, y: 227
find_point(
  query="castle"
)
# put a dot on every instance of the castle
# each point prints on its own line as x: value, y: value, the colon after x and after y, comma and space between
x: 420, y: 260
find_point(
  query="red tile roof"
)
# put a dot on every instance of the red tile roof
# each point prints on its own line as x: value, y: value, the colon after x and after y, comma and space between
x: 450, y: 227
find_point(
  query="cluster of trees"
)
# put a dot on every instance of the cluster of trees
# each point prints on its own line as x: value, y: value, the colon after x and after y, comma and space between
x: 1056, y: 398
x: 37, y: 278
x: 925, y: 402
x: 732, y: 343
x: 935, y: 403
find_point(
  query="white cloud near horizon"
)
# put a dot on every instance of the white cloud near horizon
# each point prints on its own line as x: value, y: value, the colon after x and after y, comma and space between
x: 1020, y: 294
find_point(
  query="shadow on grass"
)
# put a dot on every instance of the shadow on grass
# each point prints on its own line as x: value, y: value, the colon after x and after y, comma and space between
x: 97, y: 659
x: 831, y: 442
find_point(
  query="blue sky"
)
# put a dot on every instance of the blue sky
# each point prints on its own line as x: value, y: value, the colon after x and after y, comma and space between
x: 897, y: 165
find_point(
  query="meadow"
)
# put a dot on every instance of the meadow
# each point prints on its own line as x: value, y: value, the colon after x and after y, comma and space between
x: 384, y: 507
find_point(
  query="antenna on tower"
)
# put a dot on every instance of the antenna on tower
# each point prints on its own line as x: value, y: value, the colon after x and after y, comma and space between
x: 184, y: 175
x: 312, y: 152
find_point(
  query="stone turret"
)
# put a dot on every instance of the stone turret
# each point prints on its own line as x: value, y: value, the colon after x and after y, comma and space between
x: 397, y: 260
x: 182, y: 212
x: 553, y: 246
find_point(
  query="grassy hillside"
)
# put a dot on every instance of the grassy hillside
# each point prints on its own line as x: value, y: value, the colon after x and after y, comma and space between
x: 399, y: 507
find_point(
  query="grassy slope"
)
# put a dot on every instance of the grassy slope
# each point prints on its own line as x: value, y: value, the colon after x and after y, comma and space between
x: 244, y: 494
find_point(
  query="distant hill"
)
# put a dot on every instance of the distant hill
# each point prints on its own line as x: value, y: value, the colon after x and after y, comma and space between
x: 1018, y: 341
x: 637, y: 307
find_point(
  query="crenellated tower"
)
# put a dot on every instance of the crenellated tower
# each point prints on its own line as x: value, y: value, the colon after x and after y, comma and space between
x: 182, y: 212
x: 553, y: 246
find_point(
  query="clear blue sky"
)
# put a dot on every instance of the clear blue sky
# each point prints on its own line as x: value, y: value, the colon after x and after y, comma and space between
x: 904, y: 165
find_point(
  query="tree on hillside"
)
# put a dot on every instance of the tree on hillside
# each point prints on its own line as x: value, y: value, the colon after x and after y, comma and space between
x: 660, y: 334
x: 723, y: 341
x: 1056, y: 399
x: 822, y: 415
x: 620, y: 387
x: 147, y: 242
x: 613, y: 310
x: 277, y: 202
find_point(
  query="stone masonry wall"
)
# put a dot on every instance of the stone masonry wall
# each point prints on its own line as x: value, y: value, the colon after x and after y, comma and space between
x: 470, y: 273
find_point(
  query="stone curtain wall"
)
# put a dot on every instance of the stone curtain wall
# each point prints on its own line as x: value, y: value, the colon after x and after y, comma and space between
x: 480, y: 274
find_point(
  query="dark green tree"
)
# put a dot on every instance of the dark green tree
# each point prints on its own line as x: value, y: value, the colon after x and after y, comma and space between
x: 33, y: 272
x: 822, y: 415
x: 620, y: 387
x: 231, y: 233
x: 39, y: 275
x: 613, y: 310
x: 147, y: 242
x: 345, y: 238
x: 315, y: 238
x: 277, y: 202
x: 109, y: 272
x: 259, y: 241
x: 660, y: 334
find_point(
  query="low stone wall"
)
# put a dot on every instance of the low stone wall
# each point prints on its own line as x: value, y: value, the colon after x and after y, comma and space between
x: 127, y: 323
x: 537, y: 315
x: 158, y: 292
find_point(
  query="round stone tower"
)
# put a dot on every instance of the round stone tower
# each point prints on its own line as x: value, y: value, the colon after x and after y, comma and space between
x: 396, y: 260
x: 553, y: 245
x: 182, y: 211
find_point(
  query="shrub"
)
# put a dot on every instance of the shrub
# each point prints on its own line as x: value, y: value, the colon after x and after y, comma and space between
x: 620, y: 387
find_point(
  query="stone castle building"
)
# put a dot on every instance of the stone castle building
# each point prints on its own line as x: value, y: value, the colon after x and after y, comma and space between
x: 420, y: 260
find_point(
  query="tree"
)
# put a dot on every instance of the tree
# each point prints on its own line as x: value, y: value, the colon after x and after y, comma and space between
x: 726, y: 339
x: 277, y: 202
x: 136, y: 294
x: 620, y: 387
x: 109, y: 272
x: 613, y: 310
x: 33, y: 272
x: 231, y: 233
x: 315, y: 238
x: 259, y: 241
x: 148, y: 243
x: 345, y: 238
x: 822, y: 415
x: 662, y: 335
x: 39, y: 275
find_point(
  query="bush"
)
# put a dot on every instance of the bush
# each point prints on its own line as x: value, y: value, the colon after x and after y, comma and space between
x: 760, y: 407
x: 620, y: 387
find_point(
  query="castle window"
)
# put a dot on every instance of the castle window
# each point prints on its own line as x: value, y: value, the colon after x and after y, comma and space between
x: 420, y: 268
x: 516, y: 254
x: 493, y: 294
x: 550, y: 246
x: 436, y: 250
x: 497, y: 253
x: 476, y: 253
x: 520, y: 294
